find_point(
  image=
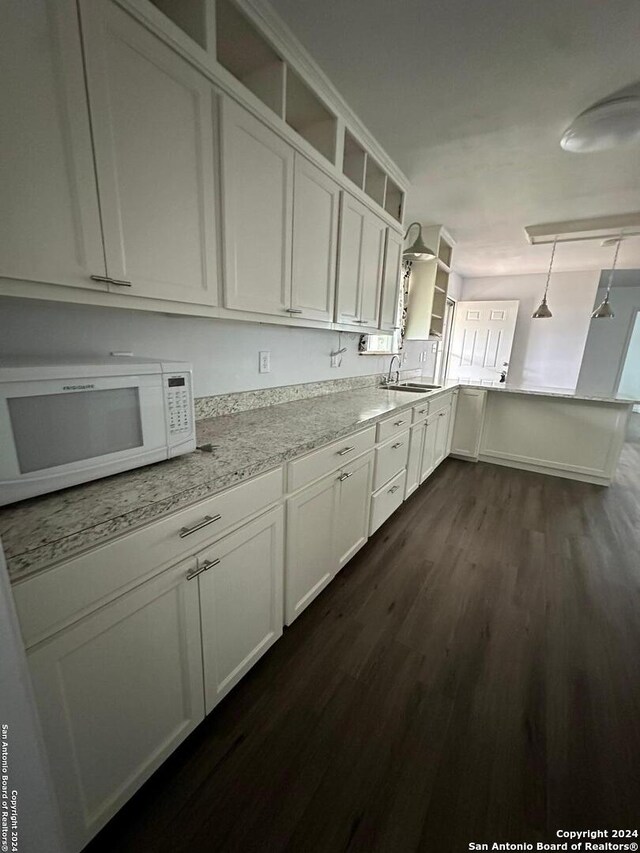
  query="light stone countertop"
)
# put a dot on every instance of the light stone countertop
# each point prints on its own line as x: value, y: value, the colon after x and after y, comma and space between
x: 42, y: 531
x: 542, y: 391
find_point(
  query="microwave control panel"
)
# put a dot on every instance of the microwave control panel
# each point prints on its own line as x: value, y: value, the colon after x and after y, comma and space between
x: 179, y: 405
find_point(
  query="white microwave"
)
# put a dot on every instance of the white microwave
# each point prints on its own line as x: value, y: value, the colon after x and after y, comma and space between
x: 72, y: 421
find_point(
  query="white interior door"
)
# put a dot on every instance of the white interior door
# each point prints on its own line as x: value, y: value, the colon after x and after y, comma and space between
x: 482, y: 340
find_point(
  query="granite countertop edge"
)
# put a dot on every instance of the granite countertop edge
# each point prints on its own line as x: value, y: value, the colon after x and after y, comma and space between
x: 30, y: 561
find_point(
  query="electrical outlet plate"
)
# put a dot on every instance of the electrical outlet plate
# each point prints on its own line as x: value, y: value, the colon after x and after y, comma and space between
x: 264, y: 361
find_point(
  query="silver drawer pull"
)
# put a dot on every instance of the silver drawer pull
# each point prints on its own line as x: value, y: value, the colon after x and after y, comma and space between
x: 293, y: 310
x: 422, y: 411
x: 345, y: 476
x: 195, y: 572
x: 442, y: 414
x: 394, y: 489
x: 208, y: 564
x: 361, y: 321
x: 398, y: 423
x: 108, y: 280
x: 345, y: 450
x: 397, y: 445
x: 206, y: 521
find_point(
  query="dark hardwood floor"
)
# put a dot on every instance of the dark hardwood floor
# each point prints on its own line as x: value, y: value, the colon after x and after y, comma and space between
x: 472, y: 675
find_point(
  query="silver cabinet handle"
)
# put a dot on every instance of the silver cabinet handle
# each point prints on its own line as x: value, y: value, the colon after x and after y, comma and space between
x: 345, y: 450
x: 108, y: 280
x: 394, y: 489
x: 397, y: 445
x: 206, y: 521
x: 105, y: 278
x: 442, y: 414
x: 361, y: 321
x: 398, y: 423
x: 345, y: 476
x: 293, y: 310
x: 422, y: 411
x: 208, y: 564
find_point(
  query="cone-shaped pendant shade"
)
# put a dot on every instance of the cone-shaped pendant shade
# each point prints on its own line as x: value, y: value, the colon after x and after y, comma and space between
x: 418, y: 250
x: 603, y: 310
x: 542, y: 310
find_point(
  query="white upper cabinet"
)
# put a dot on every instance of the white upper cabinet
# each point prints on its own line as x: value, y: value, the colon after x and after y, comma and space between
x: 375, y: 232
x: 257, y: 205
x: 391, y: 282
x: 152, y: 118
x: 360, y: 264
x: 315, y: 242
x: 352, y: 216
x: 49, y: 219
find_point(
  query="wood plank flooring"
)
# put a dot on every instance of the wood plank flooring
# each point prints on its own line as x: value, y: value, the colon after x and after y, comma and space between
x: 472, y: 675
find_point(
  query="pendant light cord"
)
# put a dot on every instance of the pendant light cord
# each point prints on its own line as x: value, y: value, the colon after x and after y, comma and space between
x: 553, y: 252
x: 613, y: 268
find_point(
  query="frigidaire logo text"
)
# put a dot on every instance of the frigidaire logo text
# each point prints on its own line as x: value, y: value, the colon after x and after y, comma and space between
x: 76, y: 387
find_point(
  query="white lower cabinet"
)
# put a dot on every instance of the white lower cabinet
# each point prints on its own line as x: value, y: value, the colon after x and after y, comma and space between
x: 117, y: 692
x: 428, y: 462
x: 441, y: 439
x: 469, y: 421
x: 240, y: 601
x: 414, y: 463
x: 352, y: 527
x: 326, y: 524
x: 387, y: 500
x: 311, y: 521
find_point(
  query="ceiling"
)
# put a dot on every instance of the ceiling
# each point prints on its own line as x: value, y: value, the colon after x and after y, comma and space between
x: 471, y: 98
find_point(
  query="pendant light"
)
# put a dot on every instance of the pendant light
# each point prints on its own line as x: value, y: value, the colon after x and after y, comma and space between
x: 604, y: 309
x: 543, y: 311
x: 417, y: 251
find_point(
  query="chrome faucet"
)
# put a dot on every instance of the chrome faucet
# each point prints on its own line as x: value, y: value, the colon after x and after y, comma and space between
x: 393, y: 358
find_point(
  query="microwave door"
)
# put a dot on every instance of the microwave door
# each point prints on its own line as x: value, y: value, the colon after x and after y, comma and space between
x: 66, y: 432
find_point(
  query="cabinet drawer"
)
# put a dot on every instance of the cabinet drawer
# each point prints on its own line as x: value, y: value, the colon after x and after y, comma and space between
x: 315, y: 465
x: 440, y: 402
x: 393, y: 425
x: 386, y: 501
x: 55, y: 598
x: 391, y: 458
x: 420, y: 412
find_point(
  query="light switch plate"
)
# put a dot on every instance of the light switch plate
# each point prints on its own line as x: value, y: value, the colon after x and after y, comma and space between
x: 264, y: 362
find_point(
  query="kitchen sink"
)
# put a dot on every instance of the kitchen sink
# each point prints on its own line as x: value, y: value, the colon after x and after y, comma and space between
x: 414, y: 387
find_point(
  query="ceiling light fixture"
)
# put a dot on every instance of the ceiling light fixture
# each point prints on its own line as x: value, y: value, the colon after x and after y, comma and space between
x: 604, y: 310
x: 543, y: 311
x: 610, y: 124
x: 417, y: 251
x: 578, y: 230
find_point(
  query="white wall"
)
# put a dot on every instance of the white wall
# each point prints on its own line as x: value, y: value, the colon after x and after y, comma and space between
x: 630, y: 379
x: 224, y: 353
x: 608, y: 339
x: 454, y: 288
x: 545, y: 352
